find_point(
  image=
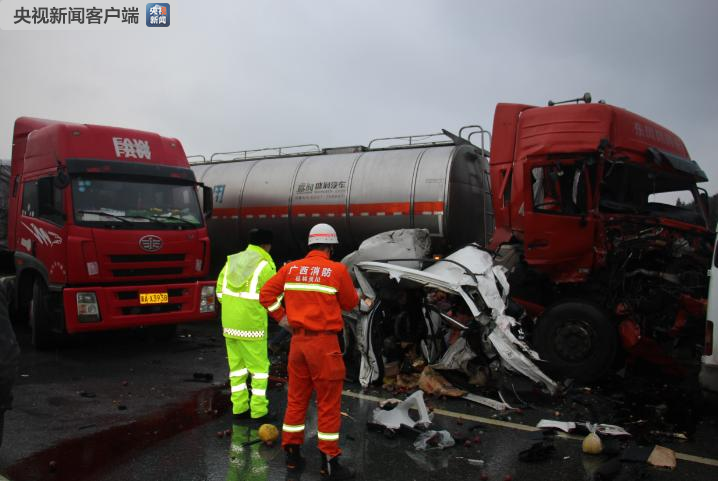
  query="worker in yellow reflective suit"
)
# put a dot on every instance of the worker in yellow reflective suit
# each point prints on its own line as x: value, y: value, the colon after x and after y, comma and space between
x: 244, y: 325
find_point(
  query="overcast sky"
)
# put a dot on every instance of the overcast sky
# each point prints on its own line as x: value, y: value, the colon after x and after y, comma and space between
x: 229, y: 75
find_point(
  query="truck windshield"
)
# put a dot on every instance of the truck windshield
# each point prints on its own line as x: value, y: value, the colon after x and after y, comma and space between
x: 102, y: 201
x: 638, y: 190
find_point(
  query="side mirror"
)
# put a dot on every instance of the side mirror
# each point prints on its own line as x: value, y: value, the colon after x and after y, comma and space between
x: 61, y: 180
x: 207, y: 201
x: 704, y: 198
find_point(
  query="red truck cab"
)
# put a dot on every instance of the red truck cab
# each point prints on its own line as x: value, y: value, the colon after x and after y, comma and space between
x: 587, y: 194
x: 106, y: 228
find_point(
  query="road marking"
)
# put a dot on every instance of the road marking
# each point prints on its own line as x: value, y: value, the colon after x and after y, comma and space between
x: 521, y: 427
x: 697, y: 459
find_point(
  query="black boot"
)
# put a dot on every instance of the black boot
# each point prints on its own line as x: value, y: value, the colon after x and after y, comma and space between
x: 241, y: 417
x: 270, y: 417
x: 334, y: 470
x: 295, y: 461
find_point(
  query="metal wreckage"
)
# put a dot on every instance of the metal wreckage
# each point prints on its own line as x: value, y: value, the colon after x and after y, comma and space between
x: 436, y: 314
x: 421, y: 316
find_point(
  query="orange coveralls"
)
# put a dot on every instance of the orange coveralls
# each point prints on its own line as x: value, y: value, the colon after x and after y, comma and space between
x: 315, y: 290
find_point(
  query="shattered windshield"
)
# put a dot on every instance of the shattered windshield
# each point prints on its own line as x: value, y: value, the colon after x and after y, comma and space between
x: 636, y: 190
x: 102, y: 201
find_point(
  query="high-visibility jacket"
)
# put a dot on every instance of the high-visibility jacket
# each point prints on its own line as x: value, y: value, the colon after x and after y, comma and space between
x: 243, y: 317
x: 315, y: 290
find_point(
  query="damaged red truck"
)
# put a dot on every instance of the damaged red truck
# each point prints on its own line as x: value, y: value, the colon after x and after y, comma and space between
x: 584, y: 217
x: 577, y: 192
x: 105, y: 230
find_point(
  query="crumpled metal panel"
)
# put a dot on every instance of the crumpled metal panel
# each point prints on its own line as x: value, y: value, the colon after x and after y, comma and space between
x: 490, y: 281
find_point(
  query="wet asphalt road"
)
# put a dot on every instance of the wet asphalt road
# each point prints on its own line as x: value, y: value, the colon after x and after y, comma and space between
x: 199, y: 454
x: 147, y: 377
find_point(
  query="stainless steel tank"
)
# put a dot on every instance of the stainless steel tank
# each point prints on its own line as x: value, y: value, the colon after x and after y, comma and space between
x: 440, y: 186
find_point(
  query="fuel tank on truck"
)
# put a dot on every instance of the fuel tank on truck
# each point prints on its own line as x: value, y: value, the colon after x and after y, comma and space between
x: 394, y: 183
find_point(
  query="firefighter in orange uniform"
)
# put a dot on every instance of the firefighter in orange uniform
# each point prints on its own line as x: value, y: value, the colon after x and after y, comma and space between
x: 315, y: 290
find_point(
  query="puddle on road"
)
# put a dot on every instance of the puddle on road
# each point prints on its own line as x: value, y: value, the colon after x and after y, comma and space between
x: 75, y: 459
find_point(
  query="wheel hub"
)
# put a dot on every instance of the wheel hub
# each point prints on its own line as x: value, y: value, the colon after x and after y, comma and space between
x: 574, y: 340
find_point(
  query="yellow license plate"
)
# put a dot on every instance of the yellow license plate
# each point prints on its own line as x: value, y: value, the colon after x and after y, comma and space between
x: 154, y: 298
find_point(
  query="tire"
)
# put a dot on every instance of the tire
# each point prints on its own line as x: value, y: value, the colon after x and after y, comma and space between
x: 577, y: 339
x: 43, y: 317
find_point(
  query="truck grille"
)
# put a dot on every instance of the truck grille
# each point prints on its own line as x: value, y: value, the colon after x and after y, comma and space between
x: 151, y: 271
x: 147, y: 258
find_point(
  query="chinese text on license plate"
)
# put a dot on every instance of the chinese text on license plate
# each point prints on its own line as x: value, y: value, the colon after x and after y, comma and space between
x: 154, y: 298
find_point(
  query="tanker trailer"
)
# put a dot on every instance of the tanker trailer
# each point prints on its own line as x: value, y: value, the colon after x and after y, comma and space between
x: 438, y: 182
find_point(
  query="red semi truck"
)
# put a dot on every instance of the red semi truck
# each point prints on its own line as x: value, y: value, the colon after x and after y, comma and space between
x: 105, y: 230
x: 583, y: 195
x: 587, y: 194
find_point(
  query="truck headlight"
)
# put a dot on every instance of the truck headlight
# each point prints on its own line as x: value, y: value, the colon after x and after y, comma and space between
x: 206, y: 299
x: 87, y: 308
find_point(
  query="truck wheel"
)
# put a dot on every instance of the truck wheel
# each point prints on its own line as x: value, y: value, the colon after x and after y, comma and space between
x: 41, y: 317
x: 577, y: 340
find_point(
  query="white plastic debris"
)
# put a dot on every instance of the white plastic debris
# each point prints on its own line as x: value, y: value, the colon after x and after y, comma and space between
x: 434, y: 440
x: 485, y: 401
x: 395, y: 418
x: 611, y: 430
x: 568, y: 426
x: 565, y: 426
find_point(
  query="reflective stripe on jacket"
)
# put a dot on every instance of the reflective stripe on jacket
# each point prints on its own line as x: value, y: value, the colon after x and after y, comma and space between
x: 315, y: 290
x: 243, y: 317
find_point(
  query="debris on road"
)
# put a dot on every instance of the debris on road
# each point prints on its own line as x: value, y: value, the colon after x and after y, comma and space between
x: 485, y: 401
x: 662, y: 457
x: 592, y: 444
x: 434, y: 440
x: 268, y: 433
x: 679, y: 436
x: 398, y: 416
x: 201, y: 377
x: 571, y: 426
x: 431, y: 382
x: 565, y: 426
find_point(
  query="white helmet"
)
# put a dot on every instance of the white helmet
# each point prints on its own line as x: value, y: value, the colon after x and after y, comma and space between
x: 322, y: 234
